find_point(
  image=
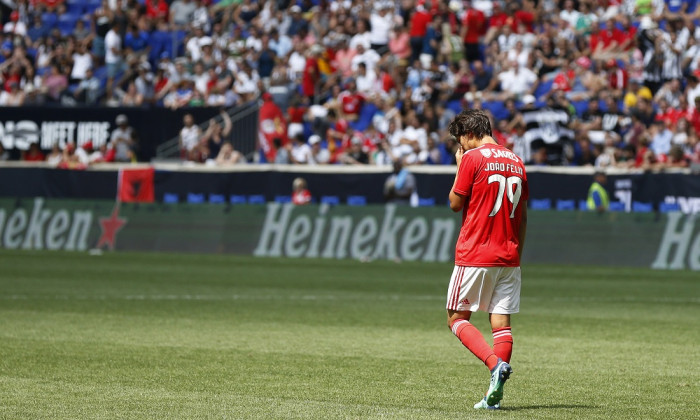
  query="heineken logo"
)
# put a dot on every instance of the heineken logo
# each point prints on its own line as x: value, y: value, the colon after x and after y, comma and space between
x: 43, y: 228
x: 680, y: 245
x: 392, y: 236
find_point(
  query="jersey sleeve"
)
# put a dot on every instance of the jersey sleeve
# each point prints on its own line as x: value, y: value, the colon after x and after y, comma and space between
x: 465, y: 177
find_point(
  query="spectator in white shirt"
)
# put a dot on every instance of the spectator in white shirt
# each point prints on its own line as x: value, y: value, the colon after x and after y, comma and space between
x: 113, y: 51
x: 381, y: 22
x: 301, y: 152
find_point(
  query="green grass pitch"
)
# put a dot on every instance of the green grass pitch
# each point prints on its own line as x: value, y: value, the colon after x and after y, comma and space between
x: 163, y: 336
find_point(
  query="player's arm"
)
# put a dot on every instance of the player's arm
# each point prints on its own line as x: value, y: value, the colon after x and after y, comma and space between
x: 457, y: 200
x: 523, y: 229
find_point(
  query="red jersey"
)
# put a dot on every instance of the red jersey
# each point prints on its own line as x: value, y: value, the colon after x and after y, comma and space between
x: 419, y: 23
x: 493, y: 180
x: 475, y: 22
x: 351, y: 102
x: 311, y: 75
x: 301, y: 197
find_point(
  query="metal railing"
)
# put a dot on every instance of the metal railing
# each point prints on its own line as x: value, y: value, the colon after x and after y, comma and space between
x: 243, y: 135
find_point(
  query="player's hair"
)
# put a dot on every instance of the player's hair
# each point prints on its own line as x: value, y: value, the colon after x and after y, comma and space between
x: 471, y: 123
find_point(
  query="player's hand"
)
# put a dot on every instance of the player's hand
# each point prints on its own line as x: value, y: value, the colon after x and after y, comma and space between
x: 458, y: 155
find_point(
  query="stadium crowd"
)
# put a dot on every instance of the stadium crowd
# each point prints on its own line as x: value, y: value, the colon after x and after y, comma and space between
x: 571, y: 82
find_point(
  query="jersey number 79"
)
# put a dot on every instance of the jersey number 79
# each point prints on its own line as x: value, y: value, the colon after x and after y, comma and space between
x: 506, y: 185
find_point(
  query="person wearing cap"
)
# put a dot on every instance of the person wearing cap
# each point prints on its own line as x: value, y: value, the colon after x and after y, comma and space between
x: 123, y: 140
x: 297, y: 23
x: 15, y: 26
x: 355, y: 155
x: 88, y: 91
x: 597, y: 195
x: 319, y: 154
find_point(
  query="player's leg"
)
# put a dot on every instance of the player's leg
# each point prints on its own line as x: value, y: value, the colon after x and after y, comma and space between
x: 505, y: 300
x: 467, y: 286
x: 502, y: 336
x: 471, y: 338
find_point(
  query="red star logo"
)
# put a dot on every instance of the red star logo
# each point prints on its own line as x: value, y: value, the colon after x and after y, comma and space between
x: 110, y: 226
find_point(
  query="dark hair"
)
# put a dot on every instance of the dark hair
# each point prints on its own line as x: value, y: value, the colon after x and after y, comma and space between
x: 471, y: 123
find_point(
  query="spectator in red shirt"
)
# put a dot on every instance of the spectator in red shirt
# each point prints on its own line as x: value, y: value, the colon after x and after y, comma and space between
x: 157, y: 9
x: 617, y: 77
x: 350, y: 101
x: 667, y: 114
x: 311, y: 73
x: 418, y: 27
x: 34, y: 154
x: 473, y: 27
x: 524, y: 15
x: 300, y: 194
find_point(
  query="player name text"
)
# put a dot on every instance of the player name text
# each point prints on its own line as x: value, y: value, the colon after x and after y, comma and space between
x: 503, y: 167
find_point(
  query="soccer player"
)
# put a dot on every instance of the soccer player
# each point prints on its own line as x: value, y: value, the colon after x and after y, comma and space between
x: 491, y: 190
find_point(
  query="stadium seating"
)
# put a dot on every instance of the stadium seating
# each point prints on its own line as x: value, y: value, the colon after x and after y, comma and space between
x: 583, y: 205
x: 66, y: 23
x: 238, y: 199
x: 217, y: 198
x: 333, y: 200
x: 424, y: 202
x: 357, y: 200
x: 639, y: 207
x: 617, y: 206
x: 256, y: 199
x: 194, y: 198
x: 566, y: 205
x: 669, y: 207
x: 170, y: 198
x: 541, y: 204
x: 283, y: 199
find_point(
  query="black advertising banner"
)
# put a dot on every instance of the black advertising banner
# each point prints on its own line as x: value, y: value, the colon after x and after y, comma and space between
x: 19, y: 127
x: 271, y: 183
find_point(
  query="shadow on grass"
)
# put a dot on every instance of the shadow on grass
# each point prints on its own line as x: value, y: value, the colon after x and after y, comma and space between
x: 550, y: 406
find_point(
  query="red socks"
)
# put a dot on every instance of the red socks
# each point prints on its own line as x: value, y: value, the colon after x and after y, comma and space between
x: 503, y: 343
x: 474, y: 341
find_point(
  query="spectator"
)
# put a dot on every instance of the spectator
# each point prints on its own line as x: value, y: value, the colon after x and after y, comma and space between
x: 34, y: 154
x: 300, y: 152
x: 123, y: 140
x: 300, y: 193
x: 228, y: 155
x: 400, y: 185
x: 181, y: 13
x: 113, y: 51
x: 54, y: 157
x: 597, y: 195
x: 319, y: 154
x: 281, y: 154
x: 15, y: 26
x: 82, y: 62
x: 213, y: 138
x: 14, y: 97
x: 189, y: 139
x: 54, y: 84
